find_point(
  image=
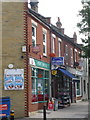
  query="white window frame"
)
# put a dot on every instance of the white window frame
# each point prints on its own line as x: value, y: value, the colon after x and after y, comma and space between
x: 34, y: 37
x: 77, y: 89
x: 66, y: 54
x: 71, y: 51
x: 59, y: 47
x: 53, y: 43
x: 45, y: 44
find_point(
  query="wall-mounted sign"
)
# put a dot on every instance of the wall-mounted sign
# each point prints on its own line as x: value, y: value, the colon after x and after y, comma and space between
x: 54, y: 72
x: 57, y: 60
x: 14, y: 79
x: 24, y: 48
x: 35, y: 49
x: 10, y: 66
x: 39, y: 63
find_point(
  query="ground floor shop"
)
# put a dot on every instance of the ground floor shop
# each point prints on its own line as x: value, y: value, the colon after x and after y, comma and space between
x: 80, y: 83
x: 64, y: 85
x: 39, y: 84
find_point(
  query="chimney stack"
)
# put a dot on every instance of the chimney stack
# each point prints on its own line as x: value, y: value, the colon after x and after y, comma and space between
x: 58, y: 23
x: 34, y: 5
x: 75, y: 37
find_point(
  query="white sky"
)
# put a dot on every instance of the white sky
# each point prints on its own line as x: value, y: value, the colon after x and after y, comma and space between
x: 67, y: 10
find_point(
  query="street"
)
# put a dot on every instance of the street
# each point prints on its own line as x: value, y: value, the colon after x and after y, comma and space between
x: 76, y: 110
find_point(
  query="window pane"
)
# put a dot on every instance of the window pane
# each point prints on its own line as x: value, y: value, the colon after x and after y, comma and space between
x: 44, y: 49
x: 46, y: 89
x: 40, y: 89
x: 33, y: 31
x: 46, y: 74
x: 34, y: 91
x: 33, y: 42
x: 43, y: 37
x: 78, y: 88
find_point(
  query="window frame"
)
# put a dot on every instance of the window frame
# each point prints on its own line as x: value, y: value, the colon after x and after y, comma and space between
x: 34, y: 36
x: 45, y: 44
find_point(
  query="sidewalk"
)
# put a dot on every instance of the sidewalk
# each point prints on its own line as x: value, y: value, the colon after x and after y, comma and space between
x: 76, y: 110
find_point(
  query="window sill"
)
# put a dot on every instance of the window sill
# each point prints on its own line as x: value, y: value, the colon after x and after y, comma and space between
x: 39, y: 102
x: 44, y: 55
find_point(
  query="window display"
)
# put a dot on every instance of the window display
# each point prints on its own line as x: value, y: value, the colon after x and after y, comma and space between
x: 40, y: 85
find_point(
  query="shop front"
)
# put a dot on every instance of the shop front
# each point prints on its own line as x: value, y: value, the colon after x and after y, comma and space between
x: 63, y: 86
x: 78, y: 83
x: 39, y: 83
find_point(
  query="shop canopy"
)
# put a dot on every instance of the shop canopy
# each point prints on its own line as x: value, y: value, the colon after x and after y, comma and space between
x: 67, y: 73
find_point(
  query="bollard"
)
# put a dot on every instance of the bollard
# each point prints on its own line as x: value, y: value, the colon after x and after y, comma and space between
x: 44, y: 112
x: 12, y: 115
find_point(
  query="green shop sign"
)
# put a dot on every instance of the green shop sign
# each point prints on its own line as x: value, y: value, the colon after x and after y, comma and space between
x: 39, y: 63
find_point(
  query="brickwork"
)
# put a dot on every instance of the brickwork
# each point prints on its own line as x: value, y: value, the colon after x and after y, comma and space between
x: 13, y: 39
x: 40, y: 26
x: 0, y: 49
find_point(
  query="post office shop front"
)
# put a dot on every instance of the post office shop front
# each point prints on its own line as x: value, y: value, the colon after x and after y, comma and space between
x: 39, y: 83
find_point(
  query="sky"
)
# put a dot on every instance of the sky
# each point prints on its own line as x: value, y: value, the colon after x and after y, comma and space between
x: 66, y: 10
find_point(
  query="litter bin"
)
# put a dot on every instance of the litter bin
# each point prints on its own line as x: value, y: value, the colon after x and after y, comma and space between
x: 55, y: 104
x: 5, y: 107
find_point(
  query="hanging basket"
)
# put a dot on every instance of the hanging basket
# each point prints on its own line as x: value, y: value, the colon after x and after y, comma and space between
x: 52, y: 55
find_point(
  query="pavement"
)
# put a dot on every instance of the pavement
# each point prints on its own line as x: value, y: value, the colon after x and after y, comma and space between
x: 76, y: 111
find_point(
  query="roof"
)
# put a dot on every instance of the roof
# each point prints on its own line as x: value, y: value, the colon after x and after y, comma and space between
x: 53, y: 28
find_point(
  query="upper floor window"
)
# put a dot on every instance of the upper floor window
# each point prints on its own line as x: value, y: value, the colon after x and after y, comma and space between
x: 75, y: 55
x: 71, y: 57
x: 33, y: 35
x: 44, y: 44
x: 34, y: 27
x: 66, y: 54
x: 59, y: 47
x: 53, y: 43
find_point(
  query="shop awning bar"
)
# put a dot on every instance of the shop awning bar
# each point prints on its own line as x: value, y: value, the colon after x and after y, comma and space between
x: 70, y: 75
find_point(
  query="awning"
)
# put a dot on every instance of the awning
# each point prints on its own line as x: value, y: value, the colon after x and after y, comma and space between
x: 67, y: 73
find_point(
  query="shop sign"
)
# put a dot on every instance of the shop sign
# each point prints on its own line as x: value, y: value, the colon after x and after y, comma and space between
x: 39, y: 63
x: 54, y: 72
x: 57, y: 60
x: 14, y: 79
x: 35, y: 49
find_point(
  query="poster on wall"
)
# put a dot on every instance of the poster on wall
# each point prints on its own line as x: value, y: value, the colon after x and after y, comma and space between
x: 13, y: 79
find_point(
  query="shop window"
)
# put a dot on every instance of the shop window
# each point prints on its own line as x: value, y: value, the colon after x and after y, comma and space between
x: 84, y: 86
x: 78, y: 88
x: 40, y: 85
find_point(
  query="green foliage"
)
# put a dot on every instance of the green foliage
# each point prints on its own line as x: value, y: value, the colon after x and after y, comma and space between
x: 84, y: 27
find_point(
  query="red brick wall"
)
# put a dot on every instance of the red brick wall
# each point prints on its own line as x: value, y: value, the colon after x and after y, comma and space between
x: 34, y: 107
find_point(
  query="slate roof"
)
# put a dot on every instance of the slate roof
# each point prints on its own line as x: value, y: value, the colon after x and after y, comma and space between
x: 53, y: 28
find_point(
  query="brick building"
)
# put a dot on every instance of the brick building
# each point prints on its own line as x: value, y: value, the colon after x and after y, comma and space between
x: 59, y: 45
x: 30, y: 42
x: 13, y: 67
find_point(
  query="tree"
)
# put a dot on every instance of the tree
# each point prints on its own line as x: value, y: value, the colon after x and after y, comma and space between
x: 84, y: 27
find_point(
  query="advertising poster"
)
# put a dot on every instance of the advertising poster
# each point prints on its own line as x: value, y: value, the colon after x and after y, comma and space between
x: 14, y: 79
